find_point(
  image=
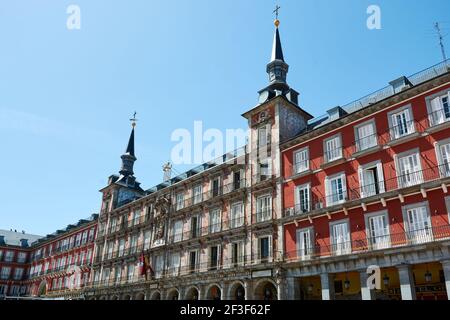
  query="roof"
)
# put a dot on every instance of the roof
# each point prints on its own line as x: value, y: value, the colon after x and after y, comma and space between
x: 13, y: 238
x: 69, y: 228
x: 277, y: 51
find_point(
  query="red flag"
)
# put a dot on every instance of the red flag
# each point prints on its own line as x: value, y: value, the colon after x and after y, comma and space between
x: 142, y: 267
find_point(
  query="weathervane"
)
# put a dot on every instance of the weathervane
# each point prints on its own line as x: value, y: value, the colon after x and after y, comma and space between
x: 276, y: 11
x: 133, y: 120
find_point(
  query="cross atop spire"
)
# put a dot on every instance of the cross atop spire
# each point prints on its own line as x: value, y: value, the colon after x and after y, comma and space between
x: 133, y: 120
x: 277, y: 8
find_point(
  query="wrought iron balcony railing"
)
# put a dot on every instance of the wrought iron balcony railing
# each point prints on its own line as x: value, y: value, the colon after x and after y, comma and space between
x: 313, y: 202
x: 368, y: 243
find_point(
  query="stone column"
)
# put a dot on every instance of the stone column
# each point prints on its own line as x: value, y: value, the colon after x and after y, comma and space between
x: 407, y: 287
x: 446, y: 269
x: 281, y: 288
x: 248, y: 290
x: 292, y: 288
x: 327, y: 283
x: 366, y: 292
x: 224, y: 293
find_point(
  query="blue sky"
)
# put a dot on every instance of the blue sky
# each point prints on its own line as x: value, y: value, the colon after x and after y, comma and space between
x: 66, y: 95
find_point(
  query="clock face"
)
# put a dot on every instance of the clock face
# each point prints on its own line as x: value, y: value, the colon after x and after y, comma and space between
x: 125, y: 194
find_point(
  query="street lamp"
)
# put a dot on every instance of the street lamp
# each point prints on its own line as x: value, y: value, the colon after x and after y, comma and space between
x: 428, y: 276
x: 347, y: 283
x: 386, y: 280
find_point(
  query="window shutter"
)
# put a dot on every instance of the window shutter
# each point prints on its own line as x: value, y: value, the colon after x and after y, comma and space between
x: 271, y: 255
x: 380, y: 177
x: 257, y: 246
x: 344, y: 185
x: 436, y: 112
x: 327, y: 191
x: 361, y: 182
x: 219, y: 256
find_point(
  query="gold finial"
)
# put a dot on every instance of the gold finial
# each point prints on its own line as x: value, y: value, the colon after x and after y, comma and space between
x: 276, y: 22
x: 133, y: 120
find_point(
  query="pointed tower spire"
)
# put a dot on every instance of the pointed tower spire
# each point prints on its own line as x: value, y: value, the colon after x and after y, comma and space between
x: 277, y: 51
x: 128, y: 158
x: 277, y: 67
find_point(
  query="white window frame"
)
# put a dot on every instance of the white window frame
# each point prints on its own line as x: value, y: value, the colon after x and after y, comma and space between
x: 333, y: 153
x: 307, y: 252
x: 328, y: 189
x: 237, y: 220
x: 366, y: 189
x: 444, y: 166
x: 215, y: 220
x: 418, y: 235
x: 341, y: 247
x: 435, y: 107
x: 378, y: 241
x: 197, y: 194
x: 177, y: 236
x: 240, y: 254
x: 299, y: 207
x: 264, y: 214
x: 179, y: 198
x: 303, y: 164
x: 412, y: 178
x: 365, y: 143
x: 259, y: 248
x: 409, y: 124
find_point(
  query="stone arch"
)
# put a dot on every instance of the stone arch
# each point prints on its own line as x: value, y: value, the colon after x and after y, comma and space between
x: 114, y: 298
x: 139, y: 296
x: 103, y: 298
x: 126, y: 297
x: 156, y: 295
x: 236, y: 291
x: 265, y: 289
x: 42, y: 289
x: 192, y: 293
x: 173, y: 294
x: 214, y: 292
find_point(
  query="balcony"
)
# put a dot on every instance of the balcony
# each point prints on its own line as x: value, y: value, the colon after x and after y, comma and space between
x: 233, y: 263
x: 210, y: 230
x: 370, y: 243
x: 370, y: 192
x: 403, y: 132
x: 263, y: 216
x: 209, y: 195
x: 438, y: 120
x: 334, y: 157
x: 368, y: 145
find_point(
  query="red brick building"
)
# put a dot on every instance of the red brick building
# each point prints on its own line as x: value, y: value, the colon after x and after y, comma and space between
x: 367, y: 185
x: 15, y: 253
x: 60, y: 262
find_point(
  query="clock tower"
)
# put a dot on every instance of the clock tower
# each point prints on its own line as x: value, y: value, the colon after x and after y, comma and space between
x: 123, y: 188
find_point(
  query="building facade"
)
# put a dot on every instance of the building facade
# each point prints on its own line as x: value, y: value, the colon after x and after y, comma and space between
x: 15, y: 252
x: 60, y: 263
x: 300, y: 212
x: 369, y: 187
